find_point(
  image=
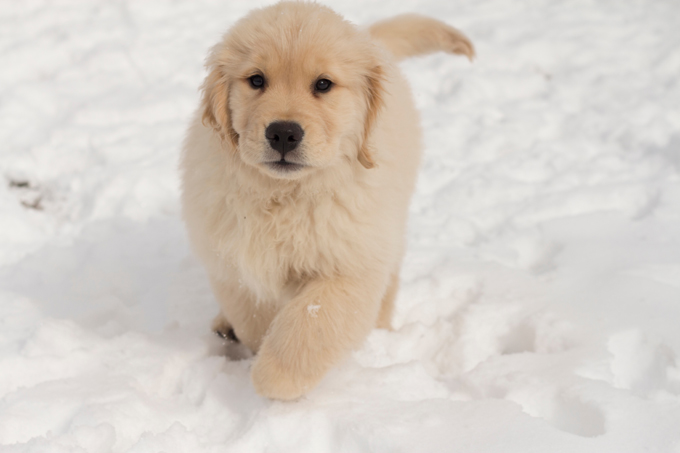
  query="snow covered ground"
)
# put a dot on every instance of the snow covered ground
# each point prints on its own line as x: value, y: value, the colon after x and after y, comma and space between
x: 540, y: 306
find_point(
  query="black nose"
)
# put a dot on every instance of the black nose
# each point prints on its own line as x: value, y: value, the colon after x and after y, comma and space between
x: 284, y: 136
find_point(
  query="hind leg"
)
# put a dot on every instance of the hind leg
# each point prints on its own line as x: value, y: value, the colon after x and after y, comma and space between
x: 387, y: 304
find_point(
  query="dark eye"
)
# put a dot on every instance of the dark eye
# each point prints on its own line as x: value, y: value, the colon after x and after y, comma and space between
x: 256, y: 81
x: 322, y: 85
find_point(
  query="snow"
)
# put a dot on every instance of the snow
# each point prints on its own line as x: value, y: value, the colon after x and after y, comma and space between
x: 313, y: 310
x: 540, y: 294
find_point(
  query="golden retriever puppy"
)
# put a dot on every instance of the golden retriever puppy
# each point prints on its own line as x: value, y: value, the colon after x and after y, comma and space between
x: 297, y: 172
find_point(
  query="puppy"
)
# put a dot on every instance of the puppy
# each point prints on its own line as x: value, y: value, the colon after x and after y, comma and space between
x: 297, y: 172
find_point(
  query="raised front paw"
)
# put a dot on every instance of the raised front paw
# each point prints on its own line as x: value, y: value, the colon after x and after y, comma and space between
x: 276, y: 380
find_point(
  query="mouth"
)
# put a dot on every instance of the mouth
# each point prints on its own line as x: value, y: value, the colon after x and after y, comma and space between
x: 284, y: 166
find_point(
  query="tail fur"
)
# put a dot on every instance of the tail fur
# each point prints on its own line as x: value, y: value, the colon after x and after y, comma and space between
x: 409, y: 35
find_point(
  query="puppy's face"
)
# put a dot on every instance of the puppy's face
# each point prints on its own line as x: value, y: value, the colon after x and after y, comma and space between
x: 294, y: 88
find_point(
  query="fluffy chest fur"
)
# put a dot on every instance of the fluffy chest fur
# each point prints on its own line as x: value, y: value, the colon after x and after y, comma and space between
x: 278, y: 242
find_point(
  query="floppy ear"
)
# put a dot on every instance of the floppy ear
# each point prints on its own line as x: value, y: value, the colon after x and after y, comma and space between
x: 215, y: 105
x: 374, y: 102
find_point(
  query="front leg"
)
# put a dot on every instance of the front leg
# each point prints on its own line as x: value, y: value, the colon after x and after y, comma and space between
x: 314, y: 331
x: 240, y: 313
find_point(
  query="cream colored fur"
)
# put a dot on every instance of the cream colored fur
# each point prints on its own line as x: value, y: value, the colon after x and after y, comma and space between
x: 305, y: 263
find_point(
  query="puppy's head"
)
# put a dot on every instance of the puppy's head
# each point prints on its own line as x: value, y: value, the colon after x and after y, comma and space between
x: 293, y: 88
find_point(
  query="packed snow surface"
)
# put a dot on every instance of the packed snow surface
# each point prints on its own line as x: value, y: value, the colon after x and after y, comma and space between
x: 540, y: 300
